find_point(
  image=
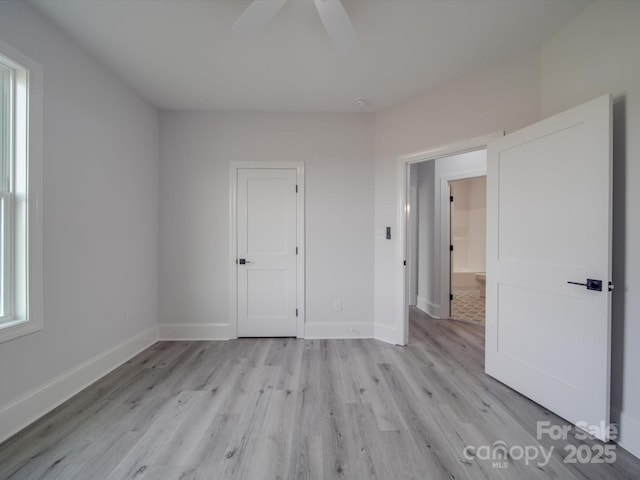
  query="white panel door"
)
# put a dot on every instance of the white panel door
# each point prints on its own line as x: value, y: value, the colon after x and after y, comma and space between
x: 266, y: 249
x: 549, y: 223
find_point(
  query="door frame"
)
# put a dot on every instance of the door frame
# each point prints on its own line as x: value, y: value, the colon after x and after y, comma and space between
x: 446, y: 258
x: 234, y: 166
x: 403, y: 248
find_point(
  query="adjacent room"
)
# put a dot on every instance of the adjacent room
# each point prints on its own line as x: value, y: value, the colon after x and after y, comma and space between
x: 246, y: 239
x: 468, y: 234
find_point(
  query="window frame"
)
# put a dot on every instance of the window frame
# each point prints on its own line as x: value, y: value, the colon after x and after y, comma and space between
x: 7, y: 117
x: 26, y: 313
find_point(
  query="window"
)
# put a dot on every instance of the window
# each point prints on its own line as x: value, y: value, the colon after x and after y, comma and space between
x: 20, y: 171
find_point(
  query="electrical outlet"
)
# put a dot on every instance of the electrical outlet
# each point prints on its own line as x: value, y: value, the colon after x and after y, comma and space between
x: 337, y: 305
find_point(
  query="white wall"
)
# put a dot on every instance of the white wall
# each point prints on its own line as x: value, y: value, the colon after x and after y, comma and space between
x: 195, y: 153
x: 478, y: 224
x: 100, y: 225
x: 597, y: 53
x: 505, y: 97
x: 428, y: 299
x: 413, y: 228
x: 469, y: 224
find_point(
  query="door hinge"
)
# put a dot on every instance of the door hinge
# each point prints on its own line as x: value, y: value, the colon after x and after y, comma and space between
x: 451, y: 296
x: 296, y: 250
x: 296, y: 188
x: 451, y: 248
x: 404, y: 263
x: 451, y: 198
x: 296, y: 312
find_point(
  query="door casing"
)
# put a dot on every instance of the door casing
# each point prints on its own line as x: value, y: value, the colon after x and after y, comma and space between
x: 233, y: 237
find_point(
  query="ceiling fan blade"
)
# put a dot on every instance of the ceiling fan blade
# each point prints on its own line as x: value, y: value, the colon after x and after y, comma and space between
x: 338, y: 25
x: 259, y: 13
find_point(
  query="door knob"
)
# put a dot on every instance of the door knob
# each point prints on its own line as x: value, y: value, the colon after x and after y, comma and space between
x: 243, y: 261
x: 595, y: 285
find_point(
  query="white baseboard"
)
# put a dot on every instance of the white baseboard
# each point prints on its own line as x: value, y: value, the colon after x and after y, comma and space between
x: 429, y: 308
x: 422, y: 304
x: 385, y: 333
x: 19, y: 413
x: 434, y: 310
x: 196, y: 331
x: 628, y: 431
x: 224, y: 331
x: 326, y: 330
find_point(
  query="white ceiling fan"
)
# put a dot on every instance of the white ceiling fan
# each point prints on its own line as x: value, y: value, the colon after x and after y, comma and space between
x: 332, y: 13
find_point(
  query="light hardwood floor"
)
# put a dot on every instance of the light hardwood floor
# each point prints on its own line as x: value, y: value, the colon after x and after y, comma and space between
x: 289, y: 409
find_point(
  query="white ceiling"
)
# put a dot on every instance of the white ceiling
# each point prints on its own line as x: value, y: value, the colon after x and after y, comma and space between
x: 182, y: 54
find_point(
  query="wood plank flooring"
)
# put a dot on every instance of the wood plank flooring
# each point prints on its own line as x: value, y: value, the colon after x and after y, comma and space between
x: 300, y: 409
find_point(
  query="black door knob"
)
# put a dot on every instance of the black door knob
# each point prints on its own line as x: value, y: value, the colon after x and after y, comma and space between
x: 595, y: 285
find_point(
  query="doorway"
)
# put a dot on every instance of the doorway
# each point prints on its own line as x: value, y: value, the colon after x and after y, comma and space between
x: 468, y: 227
x: 431, y: 231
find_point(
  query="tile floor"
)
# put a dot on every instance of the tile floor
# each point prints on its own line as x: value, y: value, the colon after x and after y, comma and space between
x: 468, y: 306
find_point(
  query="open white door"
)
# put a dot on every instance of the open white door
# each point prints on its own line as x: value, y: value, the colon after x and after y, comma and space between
x: 548, y: 224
